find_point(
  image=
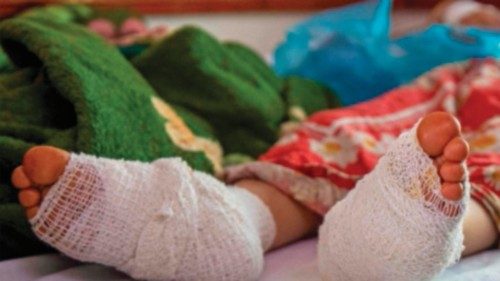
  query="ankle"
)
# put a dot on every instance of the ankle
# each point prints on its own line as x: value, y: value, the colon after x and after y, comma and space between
x: 293, y: 221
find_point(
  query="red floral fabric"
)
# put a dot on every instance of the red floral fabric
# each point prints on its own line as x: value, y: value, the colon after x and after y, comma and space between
x: 326, y: 155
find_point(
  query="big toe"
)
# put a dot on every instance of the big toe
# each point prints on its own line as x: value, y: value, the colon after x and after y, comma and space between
x: 435, y: 131
x: 44, y: 164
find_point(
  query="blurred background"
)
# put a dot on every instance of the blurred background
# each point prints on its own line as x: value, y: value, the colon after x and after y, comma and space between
x: 259, y: 24
x: 8, y: 7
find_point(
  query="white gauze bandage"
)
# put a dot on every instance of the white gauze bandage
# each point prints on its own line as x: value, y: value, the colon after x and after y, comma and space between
x: 394, y: 224
x: 155, y: 221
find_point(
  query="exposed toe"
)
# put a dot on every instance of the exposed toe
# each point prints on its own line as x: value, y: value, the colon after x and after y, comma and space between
x: 456, y: 150
x: 44, y: 164
x: 435, y: 131
x: 439, y: 136
x: 19, y: 178
x: 31, y: 212
x: 452, y: 172
x: 29, y: 197
x: 452, y: 191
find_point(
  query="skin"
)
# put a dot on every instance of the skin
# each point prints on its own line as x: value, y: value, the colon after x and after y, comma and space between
x: 438, y: 135
x: 486, y: 17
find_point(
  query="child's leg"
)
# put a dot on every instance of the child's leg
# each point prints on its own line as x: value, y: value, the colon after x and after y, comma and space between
x: 479, y: 230
x: 293, y: 220
x: 90, y: 193
x: 403, y: 220
x: 44, y: 166
x: 159, y: 220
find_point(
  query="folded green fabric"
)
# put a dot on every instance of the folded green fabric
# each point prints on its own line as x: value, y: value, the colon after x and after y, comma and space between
x: 228, y: 85
x: 5, y: 64
x: 10, y: 79
x: 75, y: 91
x: 259, y: 67
x: 111, y: 101
x: 303, y: 97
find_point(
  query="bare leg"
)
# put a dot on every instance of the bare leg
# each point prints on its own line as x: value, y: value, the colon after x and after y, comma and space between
x: 479, y: 231
x: 403, y: 221
x: 43, y: 165
x: 154, y: 221
x: 293, y: 220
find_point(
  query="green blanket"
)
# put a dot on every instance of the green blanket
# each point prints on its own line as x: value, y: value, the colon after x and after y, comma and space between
x: 74, y: 91
x: 64, y: 86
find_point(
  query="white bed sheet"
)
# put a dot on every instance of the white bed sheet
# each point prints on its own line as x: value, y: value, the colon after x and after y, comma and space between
x: 296, y: 262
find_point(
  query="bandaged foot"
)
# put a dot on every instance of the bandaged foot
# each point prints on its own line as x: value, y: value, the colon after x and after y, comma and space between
x: 403, y: 220
x: 155, y: 221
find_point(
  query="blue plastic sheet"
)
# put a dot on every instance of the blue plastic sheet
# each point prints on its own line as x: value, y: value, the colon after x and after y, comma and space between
x: 350, y: 50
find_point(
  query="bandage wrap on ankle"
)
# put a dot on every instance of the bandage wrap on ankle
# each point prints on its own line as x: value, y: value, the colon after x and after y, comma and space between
x: 390, y: 226
x: 158, y: 221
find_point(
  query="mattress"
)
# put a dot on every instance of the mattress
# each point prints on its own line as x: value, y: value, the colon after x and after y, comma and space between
x: 296, y: 262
